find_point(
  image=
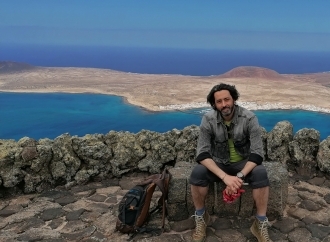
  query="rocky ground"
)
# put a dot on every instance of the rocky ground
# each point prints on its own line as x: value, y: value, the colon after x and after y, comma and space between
x: 88, y: 213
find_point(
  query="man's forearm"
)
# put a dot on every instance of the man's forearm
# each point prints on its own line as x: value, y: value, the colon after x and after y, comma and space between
x: 211, y: 166
x: 248, y: 167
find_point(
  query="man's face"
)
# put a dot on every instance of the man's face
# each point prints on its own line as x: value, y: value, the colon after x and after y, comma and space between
x: 224, y: 103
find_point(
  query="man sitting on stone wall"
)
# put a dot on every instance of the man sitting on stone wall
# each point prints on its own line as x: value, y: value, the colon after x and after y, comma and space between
x: 229, y: 149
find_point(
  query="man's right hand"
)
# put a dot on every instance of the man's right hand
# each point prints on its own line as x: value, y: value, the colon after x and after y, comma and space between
x: 233, y: 184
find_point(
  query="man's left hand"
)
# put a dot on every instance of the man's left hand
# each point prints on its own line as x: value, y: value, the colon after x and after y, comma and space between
x: 233, y: 184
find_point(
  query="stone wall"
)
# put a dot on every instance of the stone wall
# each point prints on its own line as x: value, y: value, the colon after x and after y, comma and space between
x: 29, y: 166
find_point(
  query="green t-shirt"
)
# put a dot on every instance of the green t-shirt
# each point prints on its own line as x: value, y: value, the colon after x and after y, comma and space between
x: 234, y: 157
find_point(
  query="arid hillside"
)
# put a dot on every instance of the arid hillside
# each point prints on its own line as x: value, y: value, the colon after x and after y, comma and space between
x: 252, y: 72
x: 255, y: 84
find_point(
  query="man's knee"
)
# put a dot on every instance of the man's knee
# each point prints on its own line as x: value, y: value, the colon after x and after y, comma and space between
x: 260, y: 173
x: 198, y: 176
x: 259, y: 177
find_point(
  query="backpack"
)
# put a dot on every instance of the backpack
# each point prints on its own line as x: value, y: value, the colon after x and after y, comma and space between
x: 134, y: 206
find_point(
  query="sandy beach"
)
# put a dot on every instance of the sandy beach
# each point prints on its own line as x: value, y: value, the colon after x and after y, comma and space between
x: 260, y: 88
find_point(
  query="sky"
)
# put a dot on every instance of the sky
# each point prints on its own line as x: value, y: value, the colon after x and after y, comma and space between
x: 244, y: 25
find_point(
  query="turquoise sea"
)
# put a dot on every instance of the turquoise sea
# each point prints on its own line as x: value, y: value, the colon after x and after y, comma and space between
x: 50, y: 115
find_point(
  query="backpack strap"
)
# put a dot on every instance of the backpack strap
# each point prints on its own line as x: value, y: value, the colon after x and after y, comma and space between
x: 162, y: 181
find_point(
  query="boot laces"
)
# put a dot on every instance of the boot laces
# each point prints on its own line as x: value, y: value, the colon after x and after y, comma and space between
x: 263, y: 227
x: 200, y: 224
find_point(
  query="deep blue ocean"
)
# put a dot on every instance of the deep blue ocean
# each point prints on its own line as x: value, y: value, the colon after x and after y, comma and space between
x: 166, y: 61
x: 50, y: 115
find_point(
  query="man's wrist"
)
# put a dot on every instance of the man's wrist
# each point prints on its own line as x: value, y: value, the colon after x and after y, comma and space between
x: 240, y: 175
x: 224, y: 177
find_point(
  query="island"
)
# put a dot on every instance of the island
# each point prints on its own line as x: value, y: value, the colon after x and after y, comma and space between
x: 260, y: 88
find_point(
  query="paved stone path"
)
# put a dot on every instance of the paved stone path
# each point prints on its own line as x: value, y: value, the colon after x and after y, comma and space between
x: 88, y: 213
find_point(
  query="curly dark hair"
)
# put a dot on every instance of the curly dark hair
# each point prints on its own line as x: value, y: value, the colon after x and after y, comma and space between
x: 222, y: 86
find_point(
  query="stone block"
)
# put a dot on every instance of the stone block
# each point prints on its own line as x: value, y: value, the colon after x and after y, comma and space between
x: 278, y: 190
x: 178, y: 185
x: 177, y: 211
x: 220, y: 207
x: 178, y: 203
x: 247, y: 202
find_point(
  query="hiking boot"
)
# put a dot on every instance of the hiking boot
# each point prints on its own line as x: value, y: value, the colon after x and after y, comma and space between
x: 199, y: 234
x: 260, y: 230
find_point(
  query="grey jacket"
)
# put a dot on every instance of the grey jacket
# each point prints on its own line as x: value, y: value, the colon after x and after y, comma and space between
x: 246, y: 134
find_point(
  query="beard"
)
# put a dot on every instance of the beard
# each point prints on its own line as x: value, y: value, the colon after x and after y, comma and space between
x: 227, y: 111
